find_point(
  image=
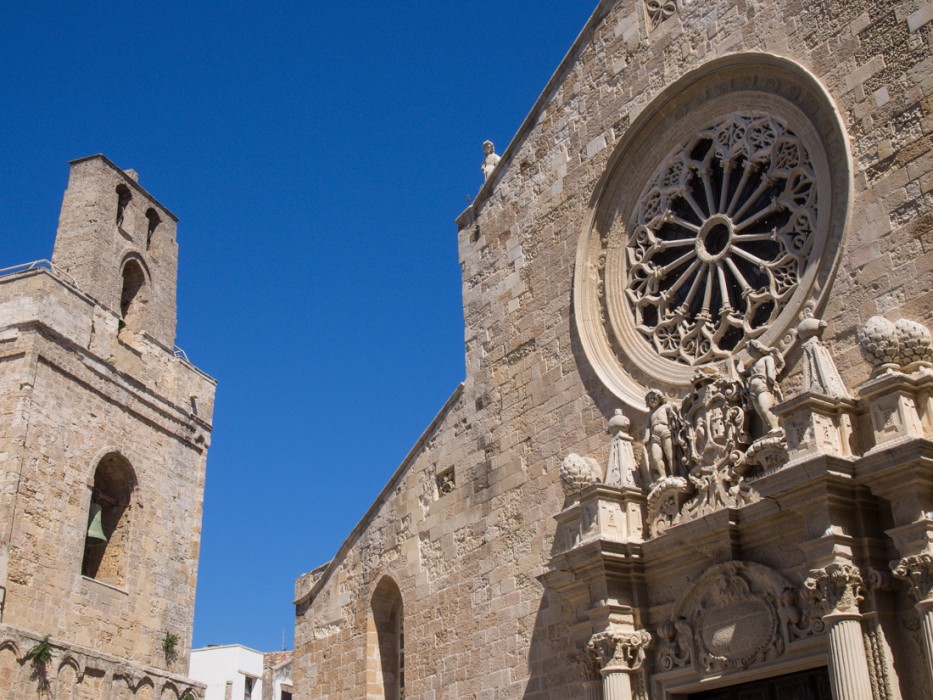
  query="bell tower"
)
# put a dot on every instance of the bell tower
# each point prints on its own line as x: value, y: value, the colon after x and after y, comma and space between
x: 104, y: 431
x: 117, y: 242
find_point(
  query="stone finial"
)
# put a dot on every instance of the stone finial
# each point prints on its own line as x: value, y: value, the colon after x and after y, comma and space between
x: 902, y: 345
x: 578, y: 472
x: 622, y: 466
x: 491, y: 160
x: 820, y: 375
x: 132, y: 174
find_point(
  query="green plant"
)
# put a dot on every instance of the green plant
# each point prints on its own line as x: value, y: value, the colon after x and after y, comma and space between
x: 41, y: 653
x: 187, y: 696
x: 170, y: 645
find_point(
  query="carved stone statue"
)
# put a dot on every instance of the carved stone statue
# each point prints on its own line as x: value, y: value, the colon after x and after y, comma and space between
x: 820, y: 375
x: 763, y: 388
x: 661, y: 425
x: 491, y: 159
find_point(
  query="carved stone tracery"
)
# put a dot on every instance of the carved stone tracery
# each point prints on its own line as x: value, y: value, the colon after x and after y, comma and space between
x: 723, y: 233
x: 660, y: 10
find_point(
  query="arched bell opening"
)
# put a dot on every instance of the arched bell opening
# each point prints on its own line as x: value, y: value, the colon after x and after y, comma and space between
x: 106, y: 542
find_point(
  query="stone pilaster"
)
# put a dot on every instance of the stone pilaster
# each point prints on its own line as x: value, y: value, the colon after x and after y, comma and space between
x: 917, y: 570
x: 838, y: 587
x: 619, y: 655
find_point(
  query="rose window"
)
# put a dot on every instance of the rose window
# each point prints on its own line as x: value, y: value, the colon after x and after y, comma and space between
x: 723, y: 233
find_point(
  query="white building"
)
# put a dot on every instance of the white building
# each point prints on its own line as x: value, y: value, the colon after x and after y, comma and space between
x: 231, y: 672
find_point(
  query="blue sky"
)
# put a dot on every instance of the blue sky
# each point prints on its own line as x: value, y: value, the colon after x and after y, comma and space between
x: 316, y: 154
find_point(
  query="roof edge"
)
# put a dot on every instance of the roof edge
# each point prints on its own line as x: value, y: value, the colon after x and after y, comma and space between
x: 602, y: 9
x: 381, y: 498
x: 131, y: 181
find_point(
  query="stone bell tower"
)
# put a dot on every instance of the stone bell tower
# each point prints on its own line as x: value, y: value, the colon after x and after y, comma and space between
x: 104, y: 430
x: 109, y: 224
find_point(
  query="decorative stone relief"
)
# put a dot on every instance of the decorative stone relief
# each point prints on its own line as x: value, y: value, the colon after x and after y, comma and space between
x: 713, y: 440
x: 676, y: 647
x: 665, y: 503
x: 737, y: 614
x: 586, y: 666
x: 659, y: 10
x: 820, y: 375
x: 802, y: 620
x: 578, y: 472
x: 917, y: 571
x: 903, y: 345
x: 707, y: 444
x: 837, y: 588
x: 616, y: 650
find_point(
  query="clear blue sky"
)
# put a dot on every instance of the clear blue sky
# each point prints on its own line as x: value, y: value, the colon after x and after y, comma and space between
x: 316, y: 154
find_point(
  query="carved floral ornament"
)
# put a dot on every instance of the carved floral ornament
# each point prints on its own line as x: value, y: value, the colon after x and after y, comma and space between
x: 916, y: 570
x: 720, y: 218
x: 837, y: 588
x: 616, y: 650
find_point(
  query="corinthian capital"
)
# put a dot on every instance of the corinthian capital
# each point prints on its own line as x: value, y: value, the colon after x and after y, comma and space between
x: 615, y: 650
x: 916, y: 570
x: 837, y: 587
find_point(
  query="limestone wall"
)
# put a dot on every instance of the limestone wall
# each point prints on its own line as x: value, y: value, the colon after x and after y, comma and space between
x: 477, y: 621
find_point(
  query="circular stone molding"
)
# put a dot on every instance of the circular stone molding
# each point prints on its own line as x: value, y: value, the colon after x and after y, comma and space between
x: 720, y: 216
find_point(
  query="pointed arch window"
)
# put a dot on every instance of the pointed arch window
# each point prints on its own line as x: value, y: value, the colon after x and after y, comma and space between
x: 108, y: 533
x: 385, y: 655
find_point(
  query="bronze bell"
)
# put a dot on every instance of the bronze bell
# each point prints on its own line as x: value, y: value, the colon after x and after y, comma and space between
x: 95, y: 527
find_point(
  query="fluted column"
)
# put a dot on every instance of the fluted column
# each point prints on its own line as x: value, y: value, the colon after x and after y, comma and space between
x: 917, y: 570
x: 838, y: 587
x: 620, y: 655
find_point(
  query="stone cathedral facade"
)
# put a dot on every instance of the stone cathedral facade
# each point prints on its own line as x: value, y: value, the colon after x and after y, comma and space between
x: 104, y: 430
x: 692, y: 456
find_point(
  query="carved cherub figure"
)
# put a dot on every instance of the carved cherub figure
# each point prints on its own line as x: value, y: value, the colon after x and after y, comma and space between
x: 491, y: 159
x: 660, y: 425
x: 763, y: 388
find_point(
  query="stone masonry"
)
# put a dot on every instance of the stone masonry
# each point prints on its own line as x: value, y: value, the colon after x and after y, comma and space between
x: 476, y: 574
x: 96, y: 406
